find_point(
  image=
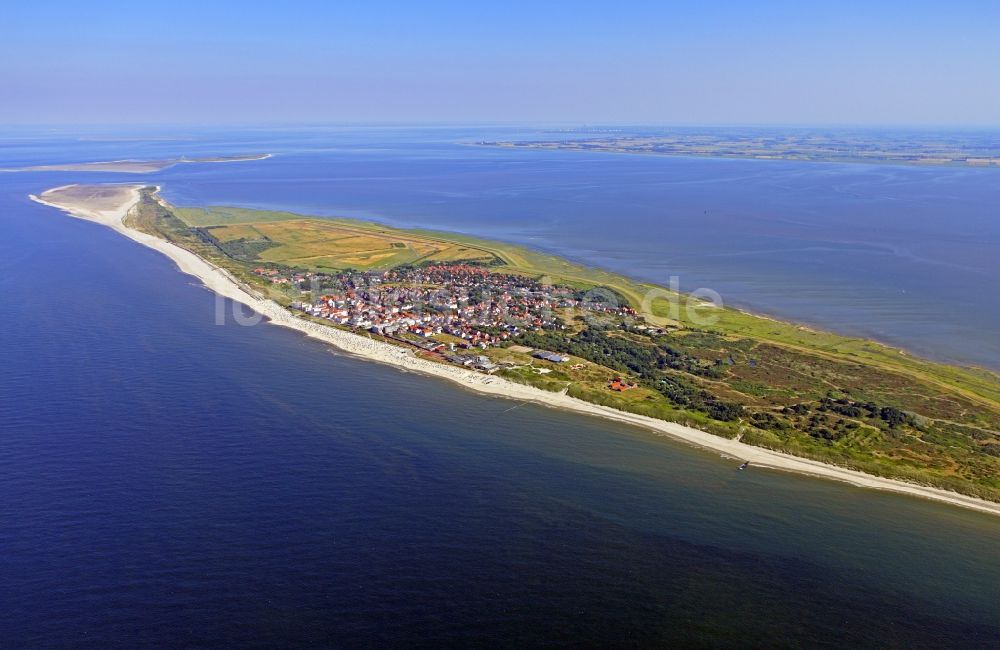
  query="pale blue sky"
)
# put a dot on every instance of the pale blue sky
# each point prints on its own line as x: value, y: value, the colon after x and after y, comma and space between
x: 598, y: 62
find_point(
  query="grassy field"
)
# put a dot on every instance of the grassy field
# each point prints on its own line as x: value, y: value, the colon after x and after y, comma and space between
x: 327, y: 244
x: 838, y: 399
x: 223, y: 216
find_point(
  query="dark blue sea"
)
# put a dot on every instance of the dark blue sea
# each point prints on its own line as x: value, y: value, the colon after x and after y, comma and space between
x: 169, y: 482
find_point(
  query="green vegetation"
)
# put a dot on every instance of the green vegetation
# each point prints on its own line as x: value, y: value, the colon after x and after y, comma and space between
x: 815, y: 394
x: 324, y: 244
x: 223, y: 216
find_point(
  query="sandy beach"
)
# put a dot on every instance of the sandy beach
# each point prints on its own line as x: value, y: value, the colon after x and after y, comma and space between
x: 109, y: 204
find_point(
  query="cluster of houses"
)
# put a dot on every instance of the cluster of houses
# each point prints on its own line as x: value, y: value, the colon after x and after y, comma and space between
x: 454, y: 311
x: 478, y: 307
x: 278, y: 277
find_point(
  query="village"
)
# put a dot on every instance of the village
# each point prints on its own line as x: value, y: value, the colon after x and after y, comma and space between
x: 454, y: 311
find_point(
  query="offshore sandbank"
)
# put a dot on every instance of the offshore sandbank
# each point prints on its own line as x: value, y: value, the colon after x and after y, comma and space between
x: 136, y: 166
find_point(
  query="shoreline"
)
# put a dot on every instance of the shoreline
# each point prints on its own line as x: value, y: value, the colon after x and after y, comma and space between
x: 221, y: 283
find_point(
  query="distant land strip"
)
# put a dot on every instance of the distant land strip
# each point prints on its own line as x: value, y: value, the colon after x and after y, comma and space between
x: 799, y: 148
x: 136, y: 166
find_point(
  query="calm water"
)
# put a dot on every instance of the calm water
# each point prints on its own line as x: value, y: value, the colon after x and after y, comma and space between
x: 905, y: 255
x: 167, y: 481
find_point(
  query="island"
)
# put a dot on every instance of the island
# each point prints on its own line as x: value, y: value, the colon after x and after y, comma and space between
x: 533, y: 327
x: 895, y: 147
x: 136, y: 166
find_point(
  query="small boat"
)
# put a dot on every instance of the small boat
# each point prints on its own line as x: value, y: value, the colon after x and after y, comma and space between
x: 745, y: 465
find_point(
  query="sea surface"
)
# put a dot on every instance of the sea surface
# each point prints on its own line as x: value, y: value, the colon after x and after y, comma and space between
x: 168, y: 481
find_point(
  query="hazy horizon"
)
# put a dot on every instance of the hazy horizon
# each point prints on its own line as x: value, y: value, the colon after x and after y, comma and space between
x: 569, y: 126
x: 679, y: 64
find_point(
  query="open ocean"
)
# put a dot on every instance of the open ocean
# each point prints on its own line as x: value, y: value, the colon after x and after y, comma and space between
x: 165, y: 481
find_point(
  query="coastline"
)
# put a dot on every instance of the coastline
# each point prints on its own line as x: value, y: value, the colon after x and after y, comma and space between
x: 220, y: 282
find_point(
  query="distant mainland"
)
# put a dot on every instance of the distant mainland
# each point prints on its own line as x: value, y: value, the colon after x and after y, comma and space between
x: 534, y: 327
x: 968, y: 149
